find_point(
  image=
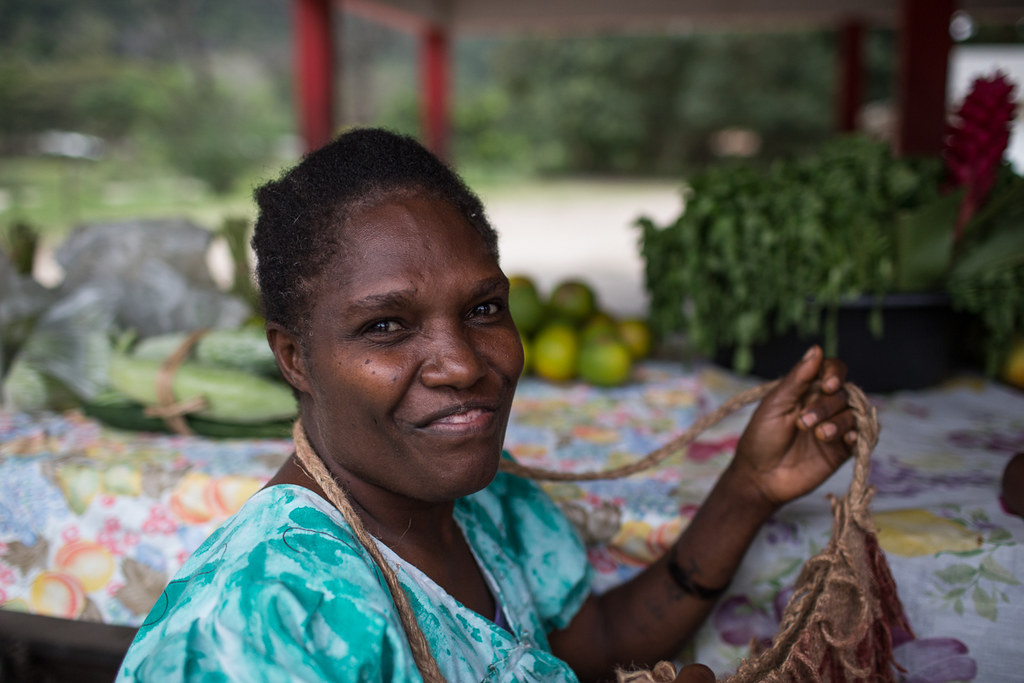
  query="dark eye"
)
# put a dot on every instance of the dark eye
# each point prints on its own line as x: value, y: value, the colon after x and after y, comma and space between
x: 383, y: 327
x: 487, y: 309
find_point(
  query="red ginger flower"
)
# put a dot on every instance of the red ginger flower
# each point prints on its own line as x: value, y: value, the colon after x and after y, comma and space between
x: 976, y: 141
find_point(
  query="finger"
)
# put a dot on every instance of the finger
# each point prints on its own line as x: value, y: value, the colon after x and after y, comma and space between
x: 695, y: 673
x: 833, y: 374
x: 788, y: 394
x: 836, y: 427
x: 821, y: 408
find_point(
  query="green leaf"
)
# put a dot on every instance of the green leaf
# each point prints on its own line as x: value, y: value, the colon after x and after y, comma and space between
x: 924, y: 244
x: 984, y: 604
x: 993, y: 571
x: 957, y: 573
x: 1003, y: 249
x: 998, y: 204
x: 958, y: 606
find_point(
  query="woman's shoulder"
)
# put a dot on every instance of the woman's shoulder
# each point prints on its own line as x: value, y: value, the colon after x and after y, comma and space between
x: 284, y: 543
x: 286, y: 562
x: 282, y: 533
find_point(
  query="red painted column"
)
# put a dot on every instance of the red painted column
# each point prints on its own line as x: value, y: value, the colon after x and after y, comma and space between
x: 314, y: 70
x: 921, y: 88
x: 849, y: 95
x: 435, y: 67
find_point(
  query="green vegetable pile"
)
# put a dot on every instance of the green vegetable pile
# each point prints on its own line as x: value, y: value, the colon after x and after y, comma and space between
x: 231, y: 373
x: 758, y: 252
x: 101, y: 341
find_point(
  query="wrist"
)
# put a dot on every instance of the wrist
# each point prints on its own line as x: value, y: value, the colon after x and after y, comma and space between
x: 740, y: 485
x: 687, y: 584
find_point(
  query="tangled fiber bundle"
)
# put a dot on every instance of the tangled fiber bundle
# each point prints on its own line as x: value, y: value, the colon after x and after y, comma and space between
x: 837, y: 626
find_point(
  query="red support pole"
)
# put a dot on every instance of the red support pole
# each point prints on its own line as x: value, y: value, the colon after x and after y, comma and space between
x: 851, y: 75
x: 924, y: 61
x: 314, y: 70
x: 435, y: 79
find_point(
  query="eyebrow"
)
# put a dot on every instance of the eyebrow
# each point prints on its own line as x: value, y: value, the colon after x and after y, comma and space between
x: 392, y: 299
x: 402, y: 297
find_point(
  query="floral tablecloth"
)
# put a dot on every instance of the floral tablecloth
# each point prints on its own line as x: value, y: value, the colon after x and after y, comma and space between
x: 94, y: 521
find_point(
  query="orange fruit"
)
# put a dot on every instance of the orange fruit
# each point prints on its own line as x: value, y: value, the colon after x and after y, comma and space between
x: 572, y: 300
x: 555, y: 352
x: 605, y: 362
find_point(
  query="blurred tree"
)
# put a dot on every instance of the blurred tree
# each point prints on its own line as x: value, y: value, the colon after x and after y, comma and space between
x: 601, y: 104
x: 626, y: 105
x: 158, y: 73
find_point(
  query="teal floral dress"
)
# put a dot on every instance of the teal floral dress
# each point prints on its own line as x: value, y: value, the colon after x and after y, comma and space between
x: 283, y: 591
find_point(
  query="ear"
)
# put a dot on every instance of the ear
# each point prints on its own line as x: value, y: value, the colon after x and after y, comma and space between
x: 288, y: 353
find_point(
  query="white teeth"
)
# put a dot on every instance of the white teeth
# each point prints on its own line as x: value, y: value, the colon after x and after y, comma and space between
x: 462, y: 418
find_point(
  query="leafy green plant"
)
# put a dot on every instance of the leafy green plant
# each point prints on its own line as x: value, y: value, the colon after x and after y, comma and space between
x: 755, y: 253
x: 758, y: 253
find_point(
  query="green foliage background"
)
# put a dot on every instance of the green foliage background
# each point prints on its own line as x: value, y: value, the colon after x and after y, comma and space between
x: 203, y: 90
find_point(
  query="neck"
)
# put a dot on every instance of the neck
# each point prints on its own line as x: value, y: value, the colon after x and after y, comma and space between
x: 405, y: 525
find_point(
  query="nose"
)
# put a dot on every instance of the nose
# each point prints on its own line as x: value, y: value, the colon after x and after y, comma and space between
x: 452, y: 360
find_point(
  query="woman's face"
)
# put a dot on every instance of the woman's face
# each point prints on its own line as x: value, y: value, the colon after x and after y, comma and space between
x: 412, y: 357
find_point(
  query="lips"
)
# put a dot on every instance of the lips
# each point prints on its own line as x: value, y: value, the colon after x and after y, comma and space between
x: 458, y: 418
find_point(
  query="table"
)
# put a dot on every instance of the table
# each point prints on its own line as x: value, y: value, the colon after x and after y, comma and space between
x: 94, y: 521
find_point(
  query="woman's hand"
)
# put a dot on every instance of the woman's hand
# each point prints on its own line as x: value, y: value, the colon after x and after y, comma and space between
x: 799, y: 435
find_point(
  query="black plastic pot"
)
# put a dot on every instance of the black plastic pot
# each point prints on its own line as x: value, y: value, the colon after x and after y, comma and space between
x: 915, y: 351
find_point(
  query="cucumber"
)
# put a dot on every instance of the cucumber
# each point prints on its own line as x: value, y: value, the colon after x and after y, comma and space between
x: 231, y: 395
x: 277, y: 429
x: 244, y: 349
x: 117, y: 410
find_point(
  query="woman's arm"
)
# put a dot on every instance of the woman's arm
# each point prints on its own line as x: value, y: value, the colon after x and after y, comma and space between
x: 798, y: 436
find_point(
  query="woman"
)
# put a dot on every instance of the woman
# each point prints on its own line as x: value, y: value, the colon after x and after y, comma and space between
x: 387, y: 312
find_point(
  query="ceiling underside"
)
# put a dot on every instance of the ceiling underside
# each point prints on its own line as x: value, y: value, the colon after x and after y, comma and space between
x: 489, y: 16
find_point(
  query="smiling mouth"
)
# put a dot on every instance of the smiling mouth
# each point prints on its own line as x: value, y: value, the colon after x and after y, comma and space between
x: 459, y: 420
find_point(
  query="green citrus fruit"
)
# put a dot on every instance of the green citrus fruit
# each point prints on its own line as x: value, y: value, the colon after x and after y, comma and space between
x: 638, y: 336
x: 527, y: 354
x: 599, y: 325
x: 606, y: 362
x: 556, y: 349
x: 572, y: 300
x: 525, y: 304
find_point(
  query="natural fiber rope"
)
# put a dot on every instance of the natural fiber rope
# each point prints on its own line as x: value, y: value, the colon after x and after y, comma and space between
x: 867, y: 427
x: 168, y: 408
x: 654, y: 457
x: 315, y: 468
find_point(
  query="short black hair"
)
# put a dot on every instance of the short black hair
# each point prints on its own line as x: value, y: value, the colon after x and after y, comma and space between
x: 303, y: 212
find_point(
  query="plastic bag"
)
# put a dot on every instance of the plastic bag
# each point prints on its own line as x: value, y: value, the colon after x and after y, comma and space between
x: 153, y: 272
